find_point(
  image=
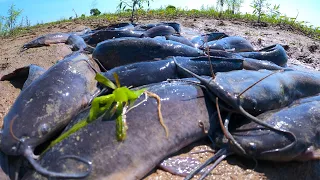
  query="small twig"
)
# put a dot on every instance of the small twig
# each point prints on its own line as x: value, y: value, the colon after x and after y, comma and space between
x: 256, y: 83
x: 208, y: 53
x: 75, y: 13
x: 150, y: 94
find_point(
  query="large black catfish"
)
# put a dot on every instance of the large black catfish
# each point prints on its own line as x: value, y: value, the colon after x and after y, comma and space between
x: 183, y: 107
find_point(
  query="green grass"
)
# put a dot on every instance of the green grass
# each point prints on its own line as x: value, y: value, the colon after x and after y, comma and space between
x: 173, y: 13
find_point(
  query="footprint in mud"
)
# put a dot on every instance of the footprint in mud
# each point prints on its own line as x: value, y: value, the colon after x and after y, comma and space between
x: 313, y: 48
x: 4, y: 66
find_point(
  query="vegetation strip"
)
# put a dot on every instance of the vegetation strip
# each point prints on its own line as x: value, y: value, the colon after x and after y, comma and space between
x: 263, y: 14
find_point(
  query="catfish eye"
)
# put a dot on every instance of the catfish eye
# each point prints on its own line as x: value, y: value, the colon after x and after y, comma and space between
x: 252, y: 148
x: 14, y: 149
x: 44, y: 129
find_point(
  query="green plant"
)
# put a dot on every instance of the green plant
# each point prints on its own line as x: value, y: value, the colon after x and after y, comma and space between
x: 12, y: 18
x: 2, y: 30
x: 259, y: 8
x: 116, y: 104
x: 28, y: 22
x: 274, y: 12
x: 9, y: 24
x: 234, y: 5
x: 75, y: 13
x: 220, y: 3
x: 95, y: 12
x: 170, y: 8
x: 133, y: 4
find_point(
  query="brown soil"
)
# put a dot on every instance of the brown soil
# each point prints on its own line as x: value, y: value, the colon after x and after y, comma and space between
x: 301, y: 50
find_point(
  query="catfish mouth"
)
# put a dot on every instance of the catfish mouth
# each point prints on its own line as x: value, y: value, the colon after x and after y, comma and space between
x: 28, y: 154
x: 24, y: 149
x: 262, y: 143
x: 44, y: 145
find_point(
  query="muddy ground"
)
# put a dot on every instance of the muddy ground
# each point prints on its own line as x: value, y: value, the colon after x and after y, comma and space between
x: 300, y: 49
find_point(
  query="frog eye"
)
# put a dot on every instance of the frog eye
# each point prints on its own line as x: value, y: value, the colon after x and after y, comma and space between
x: 44, y: 129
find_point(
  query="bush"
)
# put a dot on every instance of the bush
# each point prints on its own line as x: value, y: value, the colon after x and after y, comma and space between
x: 134, y: 5
x: 259, y: 8
x: 95, y: 12
x: 170, y: 8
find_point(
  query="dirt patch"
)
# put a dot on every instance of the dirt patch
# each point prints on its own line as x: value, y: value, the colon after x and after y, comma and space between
x: 300, y: 49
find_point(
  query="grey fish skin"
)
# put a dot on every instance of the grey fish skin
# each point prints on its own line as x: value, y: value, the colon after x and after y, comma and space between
x: 77, y: 43
x: 202, y: 39
x: 176, y: 26
x: 159, y: 31
x: 180, y: 39
x: 48, y: 39
x: 157, y: 71
x: 24, y: 76
x: 223, y: 53
x: 277, y: 90
x: 143, y: 27
x: 271, y: 58
x: 54, y: 38
x: 274, y: 53
x: 10, y: 165
x: 103, y: 35
x: 80, y: 33
x: 239, y: 44
x: 183, y: 107
x: 142, y: 73
x: 48, y: 104
x: 161, y: 38
x: 220, y: 63
x: 122, y: 51
x: 255, y: 64
x: 121, y: 26
x: 302, y: 118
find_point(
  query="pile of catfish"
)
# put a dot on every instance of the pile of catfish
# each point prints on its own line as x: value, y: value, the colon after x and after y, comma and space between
x: 248, y: 102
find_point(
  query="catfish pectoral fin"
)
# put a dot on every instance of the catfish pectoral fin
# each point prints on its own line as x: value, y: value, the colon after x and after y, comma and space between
x: 310, y: 154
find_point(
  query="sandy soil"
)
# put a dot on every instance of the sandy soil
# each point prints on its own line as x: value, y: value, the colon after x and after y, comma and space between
x: 300, y: 49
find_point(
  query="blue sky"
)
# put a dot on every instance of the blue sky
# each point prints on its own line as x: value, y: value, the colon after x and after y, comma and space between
x: 52, y: 10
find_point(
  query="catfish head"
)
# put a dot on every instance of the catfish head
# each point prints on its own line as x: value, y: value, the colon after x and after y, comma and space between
x: 35, y: 43
x: 301, y: 118
x: 46, y: 106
